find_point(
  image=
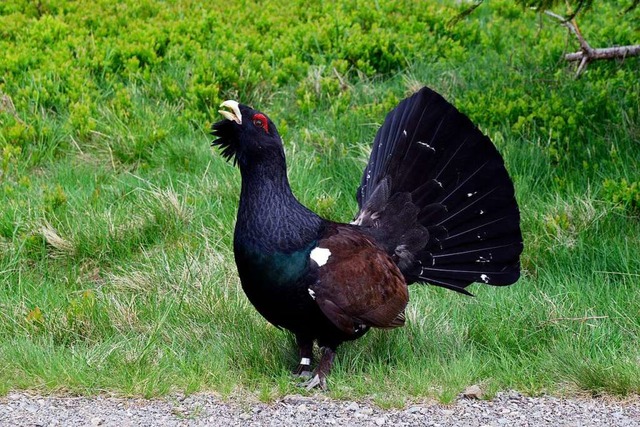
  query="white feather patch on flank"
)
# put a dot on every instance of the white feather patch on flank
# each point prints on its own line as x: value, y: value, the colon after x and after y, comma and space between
x: 320, y: 255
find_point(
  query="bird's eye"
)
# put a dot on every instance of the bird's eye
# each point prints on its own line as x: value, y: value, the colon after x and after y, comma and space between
x: 259, y: 120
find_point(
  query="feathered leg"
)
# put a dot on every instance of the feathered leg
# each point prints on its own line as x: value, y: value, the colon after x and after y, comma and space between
x: 305, y: 349
x: 319, y: 378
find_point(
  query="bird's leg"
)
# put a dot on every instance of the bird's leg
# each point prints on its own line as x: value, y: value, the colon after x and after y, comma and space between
x: 319, y: 378
x: 305, y: 349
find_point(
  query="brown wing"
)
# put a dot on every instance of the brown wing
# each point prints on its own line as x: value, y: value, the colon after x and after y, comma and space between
x: 359, y: 284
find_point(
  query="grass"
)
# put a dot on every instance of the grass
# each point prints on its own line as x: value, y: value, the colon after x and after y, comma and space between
x: 116, y: 270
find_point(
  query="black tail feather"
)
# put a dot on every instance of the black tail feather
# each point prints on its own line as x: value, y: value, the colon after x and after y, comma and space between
x: 433, y: 176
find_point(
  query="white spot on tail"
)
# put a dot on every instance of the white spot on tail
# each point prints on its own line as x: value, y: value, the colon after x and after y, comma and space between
x: 484, y: 278
x: 404, y: 132
x: 426, y: 145
x: 320, y: 255
x: 313, y: 294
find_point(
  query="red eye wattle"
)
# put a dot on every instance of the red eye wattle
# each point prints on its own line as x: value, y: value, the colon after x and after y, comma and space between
x: 260, y: 121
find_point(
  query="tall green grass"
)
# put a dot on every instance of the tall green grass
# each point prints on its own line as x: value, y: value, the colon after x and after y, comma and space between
x: 116, y: 219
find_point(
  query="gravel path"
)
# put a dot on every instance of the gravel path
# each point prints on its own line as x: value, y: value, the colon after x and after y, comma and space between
x: 507, y: 409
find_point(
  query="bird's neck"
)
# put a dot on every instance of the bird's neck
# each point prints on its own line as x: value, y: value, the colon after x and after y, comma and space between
x: 264, y: 179
x: 270, y: 218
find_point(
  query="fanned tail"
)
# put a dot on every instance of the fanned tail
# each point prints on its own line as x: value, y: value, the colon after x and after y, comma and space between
x: 437, y: 195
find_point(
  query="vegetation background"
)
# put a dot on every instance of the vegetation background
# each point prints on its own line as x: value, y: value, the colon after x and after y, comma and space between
x: 116, y: 270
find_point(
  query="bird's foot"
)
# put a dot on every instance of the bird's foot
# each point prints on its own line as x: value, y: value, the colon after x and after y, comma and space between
x: 317, y: 381
x: 303, y: 370
x: 302, y: 374
x: 319, y: 376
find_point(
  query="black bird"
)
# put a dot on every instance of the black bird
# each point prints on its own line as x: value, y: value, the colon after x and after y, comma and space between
x: 436, y: 206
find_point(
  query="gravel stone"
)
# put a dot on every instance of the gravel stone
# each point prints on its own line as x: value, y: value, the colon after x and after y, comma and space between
x: 473, y: 392
x: 353, y: 406
x: 510, y: 409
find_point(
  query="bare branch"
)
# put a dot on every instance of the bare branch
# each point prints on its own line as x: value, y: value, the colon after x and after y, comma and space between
x: 583, y: 65
x: 464, y: 13
x: 573, y: 28
x: 587, y: 53
x: 607, y: 53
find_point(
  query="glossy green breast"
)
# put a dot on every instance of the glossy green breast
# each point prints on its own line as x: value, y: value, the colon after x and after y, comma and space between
x: 277, y: 283
x: 277, y: 268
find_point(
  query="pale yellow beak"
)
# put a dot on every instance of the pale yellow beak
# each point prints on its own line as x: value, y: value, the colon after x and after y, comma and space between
x: 234, y: 114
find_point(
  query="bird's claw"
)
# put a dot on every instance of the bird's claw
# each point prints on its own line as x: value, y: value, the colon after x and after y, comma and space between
x: 303, y: 375
x: 302, y: 371
x: 316, y: 382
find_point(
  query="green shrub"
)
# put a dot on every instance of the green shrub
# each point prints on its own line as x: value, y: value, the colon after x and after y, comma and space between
x: 623, y: 193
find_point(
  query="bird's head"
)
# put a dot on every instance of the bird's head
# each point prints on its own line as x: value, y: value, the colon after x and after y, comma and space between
x: 246, y: 135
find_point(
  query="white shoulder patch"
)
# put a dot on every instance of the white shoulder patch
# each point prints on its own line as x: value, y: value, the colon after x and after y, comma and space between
x: 320, y: 255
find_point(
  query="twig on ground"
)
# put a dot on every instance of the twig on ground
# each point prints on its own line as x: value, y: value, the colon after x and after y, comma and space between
x: 587, y: 53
